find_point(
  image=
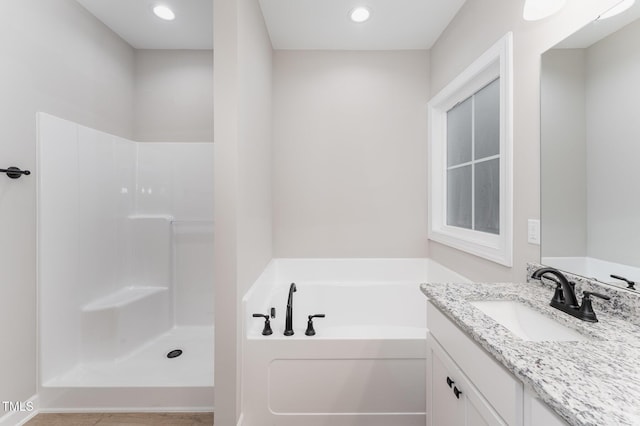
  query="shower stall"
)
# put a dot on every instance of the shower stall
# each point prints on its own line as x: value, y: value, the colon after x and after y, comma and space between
x: 125, y: 279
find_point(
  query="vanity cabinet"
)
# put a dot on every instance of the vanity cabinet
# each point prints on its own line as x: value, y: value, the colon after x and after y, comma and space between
x: 490, y: 395
x: 467, y: 386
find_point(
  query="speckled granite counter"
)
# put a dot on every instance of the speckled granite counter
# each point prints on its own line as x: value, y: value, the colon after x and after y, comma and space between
x: 594, y: 382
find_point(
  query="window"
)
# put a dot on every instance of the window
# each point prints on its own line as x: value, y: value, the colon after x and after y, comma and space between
x: 470, y: 185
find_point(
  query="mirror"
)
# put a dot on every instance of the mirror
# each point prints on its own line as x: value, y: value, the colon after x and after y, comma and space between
x: 590, y: 151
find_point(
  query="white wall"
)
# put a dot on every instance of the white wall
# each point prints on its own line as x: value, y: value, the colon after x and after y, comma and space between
x: 563, y: 153
x: 56, y: 57
x: 474, y: 29
x: 350, y: 153
x: 177, y: 179
x: 613, y: 67
x: 242, y: 244
x: 173, y: 95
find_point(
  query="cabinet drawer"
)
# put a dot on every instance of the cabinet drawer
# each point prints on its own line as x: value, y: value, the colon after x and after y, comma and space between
x: 501, y: 389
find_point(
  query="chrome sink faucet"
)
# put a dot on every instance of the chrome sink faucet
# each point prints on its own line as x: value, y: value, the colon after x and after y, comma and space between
x: 564, y: 297
x: 288, y: 326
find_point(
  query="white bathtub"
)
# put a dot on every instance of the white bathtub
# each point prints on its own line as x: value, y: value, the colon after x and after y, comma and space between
x: 590, y: 267
x: 366, y: 363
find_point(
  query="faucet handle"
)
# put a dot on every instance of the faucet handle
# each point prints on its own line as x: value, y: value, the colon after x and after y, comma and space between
x: 588, y: 294
x: 310, y: 330
x: 630, y: 284
x: 586, y: 310
x: 266, y: 331
x: 558, y: 295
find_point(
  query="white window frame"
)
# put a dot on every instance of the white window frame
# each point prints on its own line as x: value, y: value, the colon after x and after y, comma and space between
x: 495, y: 62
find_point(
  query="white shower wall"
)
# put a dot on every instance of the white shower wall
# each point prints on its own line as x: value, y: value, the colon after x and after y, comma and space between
x: 119, y: 226
x: 193, y: 269
x: 178, y: 182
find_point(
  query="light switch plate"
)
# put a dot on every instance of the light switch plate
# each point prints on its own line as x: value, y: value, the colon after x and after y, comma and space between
x: 533, y: 234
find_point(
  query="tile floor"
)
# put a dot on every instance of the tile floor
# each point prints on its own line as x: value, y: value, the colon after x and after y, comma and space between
x: 122, y: 419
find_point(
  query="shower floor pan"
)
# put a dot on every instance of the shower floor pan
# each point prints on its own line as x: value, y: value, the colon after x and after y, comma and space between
x: 149, y: 366
x: 145, y: 380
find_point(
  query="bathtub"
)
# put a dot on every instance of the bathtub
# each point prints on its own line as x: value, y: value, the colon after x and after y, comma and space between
x: 598, y: 269
x: 366, y: 363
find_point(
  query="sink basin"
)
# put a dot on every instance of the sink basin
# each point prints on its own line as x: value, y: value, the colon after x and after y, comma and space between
x: 527, y: 323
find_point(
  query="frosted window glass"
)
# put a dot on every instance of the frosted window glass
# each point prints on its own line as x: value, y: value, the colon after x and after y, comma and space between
x: 459, y: 197
x: 459, y: 133
x: 487, y: 196
x: 487, y: 120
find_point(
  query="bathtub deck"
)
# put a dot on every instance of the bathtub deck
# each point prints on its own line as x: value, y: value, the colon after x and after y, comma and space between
x: 149, y: 365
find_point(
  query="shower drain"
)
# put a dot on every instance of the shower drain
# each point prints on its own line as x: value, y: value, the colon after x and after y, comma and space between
x: 174, y: 353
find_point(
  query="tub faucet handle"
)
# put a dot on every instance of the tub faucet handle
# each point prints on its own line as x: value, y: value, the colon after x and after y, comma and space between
x: 266, y: 331
x: 310, y: 330
x: 630, y: 284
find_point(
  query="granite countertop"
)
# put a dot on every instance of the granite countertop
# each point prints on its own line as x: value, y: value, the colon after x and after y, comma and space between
x: 592, y: 382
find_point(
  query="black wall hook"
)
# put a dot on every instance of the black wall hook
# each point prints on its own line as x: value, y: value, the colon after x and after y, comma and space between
x: 15, y: 172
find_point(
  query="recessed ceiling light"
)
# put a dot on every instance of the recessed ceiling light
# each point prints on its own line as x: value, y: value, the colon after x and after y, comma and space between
x: 360, y: 14
x: 163, y: 12
x: 617, y: 9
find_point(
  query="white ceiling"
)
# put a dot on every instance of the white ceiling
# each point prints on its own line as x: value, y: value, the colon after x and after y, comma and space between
x: 599, y: 29
x: 292, y: 24
x: 134, y: 21
x: 324, y: 24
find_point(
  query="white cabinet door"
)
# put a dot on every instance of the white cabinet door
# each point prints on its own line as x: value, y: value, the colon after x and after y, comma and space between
x: 536, y: 413
x: 444, y: 409
x: 478, y: 411
x: 452, y: 400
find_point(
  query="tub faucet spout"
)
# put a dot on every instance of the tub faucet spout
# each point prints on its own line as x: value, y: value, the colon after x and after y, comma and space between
x: 288, y: 328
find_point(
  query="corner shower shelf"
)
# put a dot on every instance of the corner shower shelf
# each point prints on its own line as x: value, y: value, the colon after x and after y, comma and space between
x: 115, y: 325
